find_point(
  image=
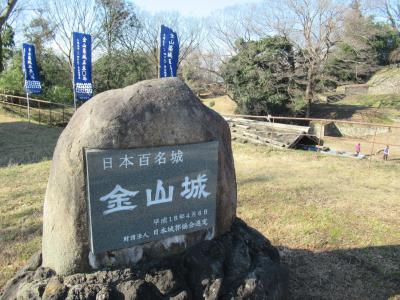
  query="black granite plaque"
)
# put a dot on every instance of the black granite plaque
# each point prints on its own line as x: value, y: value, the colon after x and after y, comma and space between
x: 140, y: 195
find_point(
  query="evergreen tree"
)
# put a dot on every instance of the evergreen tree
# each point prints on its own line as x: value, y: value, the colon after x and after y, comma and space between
x: 260, y: 76
x: 128, y: 68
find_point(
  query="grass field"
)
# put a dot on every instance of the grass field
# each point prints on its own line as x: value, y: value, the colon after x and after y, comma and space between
x: 57, y: 114
x: 22, y: 142
x: 223, y: 105
x: 336, y: 221
x: 382, y: 108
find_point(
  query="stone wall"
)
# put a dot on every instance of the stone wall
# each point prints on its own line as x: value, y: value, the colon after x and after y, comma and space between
x: 355, y: 130
x: 337, y: 129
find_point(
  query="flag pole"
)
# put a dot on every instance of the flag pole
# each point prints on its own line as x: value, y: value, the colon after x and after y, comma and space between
x: 159, y: 53
x: 73, y: 86
x: 73, y: 72
x: 29, y: 113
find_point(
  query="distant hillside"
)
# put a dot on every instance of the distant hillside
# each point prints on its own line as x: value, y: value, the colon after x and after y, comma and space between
x: 386, y: 81
x: 381, y: 104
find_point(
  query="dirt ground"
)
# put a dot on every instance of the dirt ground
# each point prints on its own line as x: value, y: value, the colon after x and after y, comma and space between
x: 368, y: 147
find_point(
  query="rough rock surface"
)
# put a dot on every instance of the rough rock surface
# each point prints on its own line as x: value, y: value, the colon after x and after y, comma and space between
x: 150, y: 113
x: 240, y: 264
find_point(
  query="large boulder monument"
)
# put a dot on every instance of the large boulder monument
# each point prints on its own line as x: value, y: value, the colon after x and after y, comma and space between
x: 141, y: 204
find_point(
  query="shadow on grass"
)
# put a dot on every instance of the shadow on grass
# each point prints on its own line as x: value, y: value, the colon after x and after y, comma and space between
x: 334, y: 111
x: 23, y: 142
x: 257, y: 179
x: 364, y: 273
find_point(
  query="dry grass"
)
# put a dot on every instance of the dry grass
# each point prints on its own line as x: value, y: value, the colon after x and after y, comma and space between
x: 376, y: 101
x: 23, y: 142
x: 366, y: 148
x: 222, y: 105
x: 22, y: 188
x: 22, y: 191
x: 367, y: 145
x: 57, y: 115
x: 334, y: 192
x: 335, y: 221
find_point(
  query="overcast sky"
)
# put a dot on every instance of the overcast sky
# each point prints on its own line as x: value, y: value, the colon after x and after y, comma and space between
x: 193, y: 8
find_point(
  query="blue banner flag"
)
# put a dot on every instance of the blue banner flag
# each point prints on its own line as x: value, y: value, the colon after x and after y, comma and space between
x: 30, y: 69
x: 82, y: 44
x: 169, y: 52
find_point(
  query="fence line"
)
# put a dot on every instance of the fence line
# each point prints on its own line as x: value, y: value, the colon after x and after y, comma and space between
x: 59, y: 114
x: 363, y: 140
x: 46, y: 112
x: 273, y: 118
x: 347, y: 139
x: 370, y: 139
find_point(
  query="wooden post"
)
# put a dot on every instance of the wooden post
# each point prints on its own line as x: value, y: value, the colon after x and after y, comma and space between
x: 74, y: 99
x: 39, y: 112
x: 320, y: 134
x: 63, y: 115
x: 50, y: 115
x: 372, y: 149
x: 29, y: 112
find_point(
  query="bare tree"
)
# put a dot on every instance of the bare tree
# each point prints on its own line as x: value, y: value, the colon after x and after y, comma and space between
x: 387, y: 10
x: 210, y: 64
x: 224, y: 28
x: 130, y: 31
x: 5, y: 13
x: 313, y: 26
x: 358, y: 31
x: 38, y: 32
x: 189, y: 33
x: 392, y: 10
x: 227, y: 26
x: 119, y: 26
x: 202, y: 66
x: 66, y: 17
